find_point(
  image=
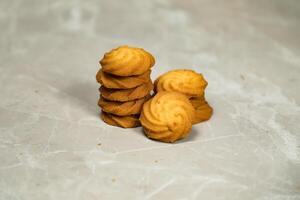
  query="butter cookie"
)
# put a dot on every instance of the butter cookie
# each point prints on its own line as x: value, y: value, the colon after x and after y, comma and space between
x: 123, y: 108
x: 203, y: 110
x: 127, y: 61
x: 126, y: 94
x: 122, y: 82
x: 167, y: 116
x: 129, y: 121
x: 185, y: 81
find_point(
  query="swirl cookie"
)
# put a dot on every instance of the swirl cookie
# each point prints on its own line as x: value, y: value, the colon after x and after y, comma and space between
x: 129, y: 121
x: 203, y: 110
x: 127, y: 94
x: 122, y: 82
x: 123, y: 108
x: 127, y: 61
x: 185, y: 81
x: 167, y: 117
x: 197, y: 101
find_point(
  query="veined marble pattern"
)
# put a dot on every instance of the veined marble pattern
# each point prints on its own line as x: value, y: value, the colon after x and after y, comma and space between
x: 54, y: 146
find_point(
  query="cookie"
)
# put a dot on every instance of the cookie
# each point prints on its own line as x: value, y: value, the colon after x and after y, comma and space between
x: 185, y: 81
x: 123, y: 108
x: 197, y: 101
x: 167, y: 116
x: 122, y: 82
x: 121, y: 121
x: 203, y: 110
x: 127, y: 61
x: 126, y: 94
x: 203, y: 113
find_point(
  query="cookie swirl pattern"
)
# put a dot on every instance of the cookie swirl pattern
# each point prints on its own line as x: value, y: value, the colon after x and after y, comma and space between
x: 187, y: 82
x: 122, y: 82
x: 126, y: 95
x: 123, y: 108
x: 129, y: 121
x: 167, y: 117
x: 127, y: 61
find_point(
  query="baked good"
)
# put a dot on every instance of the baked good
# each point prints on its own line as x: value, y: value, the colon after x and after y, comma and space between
x: 121, y: 121
x: 203, y: 111
x: 127, y: 61
x: 125, y: 85
x: 197, y: 101
x: 126, y: 94
x: 191, y: 84
x: 123, y: 108
x: 185, y: 81
x: 167, y: 116
x: 122, y: 82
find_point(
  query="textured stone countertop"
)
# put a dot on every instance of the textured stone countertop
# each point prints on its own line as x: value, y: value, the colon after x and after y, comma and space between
x: 53, y: 146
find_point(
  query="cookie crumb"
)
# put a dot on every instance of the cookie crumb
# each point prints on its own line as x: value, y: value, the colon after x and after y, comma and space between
x: 99, y: 144
x: 156, y: 161
x: 242, y: 77
x: 113, y: 180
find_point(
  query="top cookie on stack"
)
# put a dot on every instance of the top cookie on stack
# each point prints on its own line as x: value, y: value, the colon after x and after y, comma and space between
x: 127, y: 61
x: 126, y: 85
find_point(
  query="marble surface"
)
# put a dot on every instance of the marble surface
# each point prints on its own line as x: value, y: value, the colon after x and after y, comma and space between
x: 54, y: 146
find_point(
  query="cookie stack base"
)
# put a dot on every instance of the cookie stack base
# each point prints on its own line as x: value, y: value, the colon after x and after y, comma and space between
x: 129, y: 121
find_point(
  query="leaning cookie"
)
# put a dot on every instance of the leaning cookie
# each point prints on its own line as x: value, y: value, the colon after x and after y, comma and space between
x: 122, y: 82
x: 203, y: 111
x: 197, y: 101
x: 123, y: 108
x: 185, y: 81
x: 127, y: 61
x: 167, y: 117
x: 126, y: 94
x: 130, y: 121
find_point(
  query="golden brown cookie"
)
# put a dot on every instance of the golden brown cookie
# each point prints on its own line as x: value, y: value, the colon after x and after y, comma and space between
x: 123, y: 108
x: 122, y: 82
x: 203, y: 110
x: 126, y: 94
x: 127, y: 61
x: 185, y: 81
x: 121, y: 121
x: 197, y: 101
x: 167, y: 117
x: 203, y: 113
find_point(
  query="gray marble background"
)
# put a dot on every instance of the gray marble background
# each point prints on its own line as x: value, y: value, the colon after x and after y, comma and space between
x: 54, y: 146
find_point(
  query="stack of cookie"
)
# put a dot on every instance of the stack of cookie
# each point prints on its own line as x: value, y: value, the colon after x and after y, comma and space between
x: 125, y: 85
